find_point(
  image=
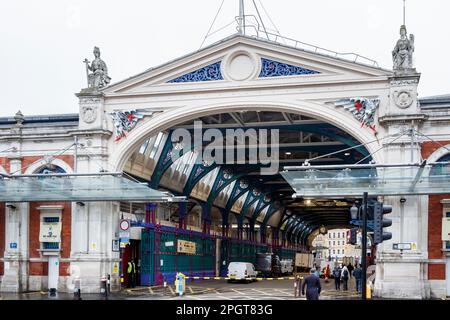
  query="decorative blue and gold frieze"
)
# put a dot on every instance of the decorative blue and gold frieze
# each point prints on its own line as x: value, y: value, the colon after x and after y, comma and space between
x: 209, y: 73
x: 272, y: 68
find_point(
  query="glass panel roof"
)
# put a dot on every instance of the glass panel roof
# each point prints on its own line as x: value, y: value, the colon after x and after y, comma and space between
x: 376, y: 180
x: 76, y: 188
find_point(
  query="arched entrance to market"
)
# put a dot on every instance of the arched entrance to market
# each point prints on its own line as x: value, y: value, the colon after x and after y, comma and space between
x: 234, y: 201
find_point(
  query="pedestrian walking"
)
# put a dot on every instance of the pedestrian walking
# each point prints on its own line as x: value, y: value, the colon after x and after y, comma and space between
x: 312, y: 284
x: 344, y: 276
x: 350, y: 269
x: 131, y: 271
x: 337, y: 277
x: 317, y: 271
x: 357, y: 273
x: 327, y: 273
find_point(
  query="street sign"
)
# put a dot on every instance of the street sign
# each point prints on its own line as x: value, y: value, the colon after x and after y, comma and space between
x: 115, y: 245
x: 124, y: 224
x: 13, y: 245
x: 124, y: 242
x: 186, y: 247
x: 124, y: 234
x: 402, y: 246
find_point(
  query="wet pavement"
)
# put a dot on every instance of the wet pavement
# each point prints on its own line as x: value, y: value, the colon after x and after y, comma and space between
x: 204, y: 290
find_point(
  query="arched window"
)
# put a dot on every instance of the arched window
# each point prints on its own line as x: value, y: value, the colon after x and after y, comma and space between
x: 50, y: 168
x: 441, y: 169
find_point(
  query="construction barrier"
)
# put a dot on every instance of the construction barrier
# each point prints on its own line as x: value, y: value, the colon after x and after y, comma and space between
x: 165, y: 251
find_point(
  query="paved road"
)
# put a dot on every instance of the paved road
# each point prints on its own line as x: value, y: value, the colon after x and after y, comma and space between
x: 207, y: 290
x: 260, y: 290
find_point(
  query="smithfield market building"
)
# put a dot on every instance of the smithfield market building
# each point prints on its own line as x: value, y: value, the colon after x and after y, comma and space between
x: 131, y: 153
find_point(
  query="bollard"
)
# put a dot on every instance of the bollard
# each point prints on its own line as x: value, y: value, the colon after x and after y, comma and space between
x: 368, y: 292
x: 104, y: 287
x: 52, y: 292
x: 297, y: 286
x: 77, y: 288
x: 109, y: 284
x: 165, y: 286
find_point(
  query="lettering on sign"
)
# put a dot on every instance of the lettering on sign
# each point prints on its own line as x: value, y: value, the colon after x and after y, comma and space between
x: 186, y: 247
x: 50, y: 231
x: 115, y: 245
x: 446, y: 229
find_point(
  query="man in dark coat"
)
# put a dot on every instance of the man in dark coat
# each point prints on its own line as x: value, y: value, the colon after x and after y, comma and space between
x: 357, y: 273
x: 350, y: 269
x: 312, y: 282
x: 337, y: 277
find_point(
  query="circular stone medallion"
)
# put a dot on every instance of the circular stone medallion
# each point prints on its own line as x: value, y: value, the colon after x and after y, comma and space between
x: 241, y: 67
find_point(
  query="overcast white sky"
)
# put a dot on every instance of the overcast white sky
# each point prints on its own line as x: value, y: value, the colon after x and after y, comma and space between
x: 43, y: 43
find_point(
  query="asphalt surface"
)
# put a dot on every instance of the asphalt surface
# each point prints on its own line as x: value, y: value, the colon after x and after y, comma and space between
x: 205, y: 290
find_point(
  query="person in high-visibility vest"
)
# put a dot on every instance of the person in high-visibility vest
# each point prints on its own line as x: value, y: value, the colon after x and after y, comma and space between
x: 131, y: 271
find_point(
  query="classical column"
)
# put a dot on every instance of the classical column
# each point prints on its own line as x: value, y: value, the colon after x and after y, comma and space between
x: 403, y: 275
x: 16, y: 256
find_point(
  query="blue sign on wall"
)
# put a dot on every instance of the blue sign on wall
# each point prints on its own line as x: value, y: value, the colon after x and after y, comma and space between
x: 13, y: 245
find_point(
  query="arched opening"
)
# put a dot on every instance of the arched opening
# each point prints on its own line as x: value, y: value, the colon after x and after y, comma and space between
x: 237, y: 198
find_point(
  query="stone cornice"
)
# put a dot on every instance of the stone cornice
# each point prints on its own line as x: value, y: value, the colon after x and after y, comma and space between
x: 261, y: 85
x: 52, y: 136
x: 402, y: 118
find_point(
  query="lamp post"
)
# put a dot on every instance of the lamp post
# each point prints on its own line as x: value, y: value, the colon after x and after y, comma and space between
x: 140, y: 215
x: 364, y: 247
x: 354, y: 212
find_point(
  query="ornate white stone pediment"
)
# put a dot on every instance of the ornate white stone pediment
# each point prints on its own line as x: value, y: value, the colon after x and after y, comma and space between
x: 244, y: 62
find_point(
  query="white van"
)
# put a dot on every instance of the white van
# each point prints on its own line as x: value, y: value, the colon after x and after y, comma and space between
x: 241, y: 271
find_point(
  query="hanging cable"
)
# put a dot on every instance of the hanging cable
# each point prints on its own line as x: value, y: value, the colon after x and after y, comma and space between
x: 9, y: 149
x: 92, y: 155
x: 354, y: 147
x: 262, y: 22
x: 432, y: 140
x: 381, y: 148
x: 58, y: 153
x: 271, y: 21
x: 212, y: 24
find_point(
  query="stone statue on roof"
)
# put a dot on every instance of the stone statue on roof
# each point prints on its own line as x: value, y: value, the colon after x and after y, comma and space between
x: 98, y: 78
x: 403, y: 51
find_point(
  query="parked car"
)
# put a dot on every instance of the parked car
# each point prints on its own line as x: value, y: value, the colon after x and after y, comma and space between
x: 241, y: 271
x: 268, y: 264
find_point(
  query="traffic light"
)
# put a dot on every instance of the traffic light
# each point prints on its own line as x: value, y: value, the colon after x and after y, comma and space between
x: 379, y: 210
x: 351, y: 236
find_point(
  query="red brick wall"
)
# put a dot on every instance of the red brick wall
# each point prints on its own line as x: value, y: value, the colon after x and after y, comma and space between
x: 27, y: 161
x: 4, y: 162
x: 2, y: 235
x: 429, y: 147
x: 435, y: 212
x: 435, y: 209
x: 41, y: 267
x: 436, y: 271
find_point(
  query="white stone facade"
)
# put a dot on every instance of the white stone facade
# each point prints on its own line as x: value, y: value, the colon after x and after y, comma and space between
x: 94, y: 225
